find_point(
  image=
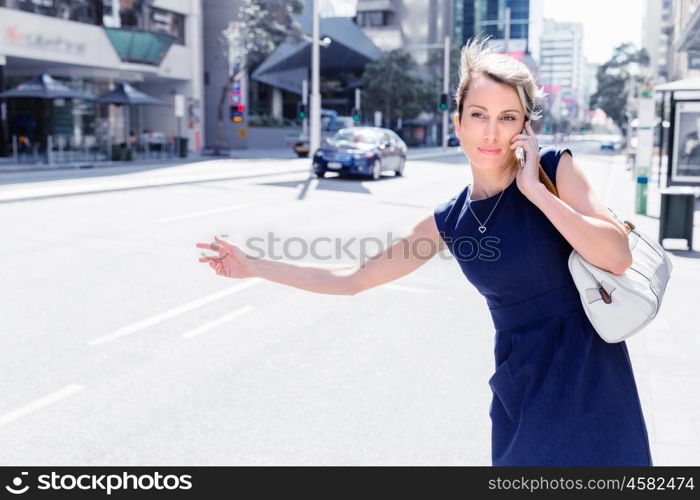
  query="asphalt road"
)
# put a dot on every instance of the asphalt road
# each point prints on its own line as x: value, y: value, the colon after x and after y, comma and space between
x: 119, y: 348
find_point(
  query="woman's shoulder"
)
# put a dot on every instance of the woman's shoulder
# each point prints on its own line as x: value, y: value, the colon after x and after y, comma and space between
x: 549, y: 158
x: 450, y: 208
x: 552, y: 152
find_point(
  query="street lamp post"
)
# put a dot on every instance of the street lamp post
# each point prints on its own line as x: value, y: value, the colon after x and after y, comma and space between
x: 315, y: 118
x: 446, y: 89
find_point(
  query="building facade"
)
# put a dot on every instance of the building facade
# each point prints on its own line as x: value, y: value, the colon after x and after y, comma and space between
x: 487, y: 17
x: 563, y: 69
x: 90, y: 46
x: 418, y: 26
x: 684, y: 58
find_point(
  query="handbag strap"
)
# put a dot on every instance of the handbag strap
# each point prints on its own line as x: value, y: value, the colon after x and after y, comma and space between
x: 551, y: 187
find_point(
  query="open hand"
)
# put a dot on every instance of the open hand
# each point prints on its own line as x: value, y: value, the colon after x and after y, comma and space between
x: 231, y: 261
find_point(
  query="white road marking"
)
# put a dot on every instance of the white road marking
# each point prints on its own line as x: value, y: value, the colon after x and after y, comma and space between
x: 164, y: 316
x: 404, y: 288
x: 203, y: 213
x: 40, y: 403
x: 213, y: 324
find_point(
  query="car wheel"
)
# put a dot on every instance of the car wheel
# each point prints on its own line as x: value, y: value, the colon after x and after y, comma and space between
x: 377, y: 170
x: 399, y: 170
x: 303, y: 155
x: 320, y: 173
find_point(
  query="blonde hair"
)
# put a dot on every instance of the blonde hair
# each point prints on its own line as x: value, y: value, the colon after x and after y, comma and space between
x: 479, y: 59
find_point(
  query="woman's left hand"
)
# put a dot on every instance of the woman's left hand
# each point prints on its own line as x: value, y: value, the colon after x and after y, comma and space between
x: 528, y: 177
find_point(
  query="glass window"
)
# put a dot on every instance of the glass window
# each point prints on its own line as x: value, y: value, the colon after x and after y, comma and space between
x: 373, y: 18
x: 172, y: 23
x: 356, y: 136
x: 394, y: 138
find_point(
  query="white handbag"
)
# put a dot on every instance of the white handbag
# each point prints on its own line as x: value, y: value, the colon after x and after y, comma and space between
x: 618, y: 306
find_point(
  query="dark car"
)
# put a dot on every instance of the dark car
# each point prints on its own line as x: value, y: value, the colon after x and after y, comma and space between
x: 611, y: 143
x: 452, y: 140
x: 365, y: 151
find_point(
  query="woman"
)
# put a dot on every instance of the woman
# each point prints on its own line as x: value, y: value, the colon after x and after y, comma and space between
x: 561, y: 395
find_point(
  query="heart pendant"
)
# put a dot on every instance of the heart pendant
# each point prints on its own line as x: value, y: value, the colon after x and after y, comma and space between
x: 482, y: 229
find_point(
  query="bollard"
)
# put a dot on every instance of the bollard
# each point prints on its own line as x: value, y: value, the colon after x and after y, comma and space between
x: 14, y: 149
x: 49, y: 148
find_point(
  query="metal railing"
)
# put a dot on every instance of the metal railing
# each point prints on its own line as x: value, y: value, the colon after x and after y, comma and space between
x: 64, y: 150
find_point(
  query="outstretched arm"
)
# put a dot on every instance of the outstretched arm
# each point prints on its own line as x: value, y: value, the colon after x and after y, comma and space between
x: 403, y: 257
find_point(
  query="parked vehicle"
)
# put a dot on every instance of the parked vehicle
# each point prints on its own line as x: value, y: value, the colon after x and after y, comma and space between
x: 612, y: 143
x: 365, y: 151
x: 330, y: 122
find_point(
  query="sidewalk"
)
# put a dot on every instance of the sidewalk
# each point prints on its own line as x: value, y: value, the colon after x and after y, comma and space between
x: 7, y: 165
x: 666, y: 354
x: 25, y: 182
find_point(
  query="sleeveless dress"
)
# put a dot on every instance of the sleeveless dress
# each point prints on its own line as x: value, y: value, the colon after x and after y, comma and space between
x: 561, y: 394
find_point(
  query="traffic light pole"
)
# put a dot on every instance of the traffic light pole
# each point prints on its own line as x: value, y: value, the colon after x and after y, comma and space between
x: 446, y: 89
x: 315, y: 121
x: 305, y: 102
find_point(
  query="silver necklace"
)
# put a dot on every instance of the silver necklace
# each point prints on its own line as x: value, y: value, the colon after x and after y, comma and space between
x: 482, y: 226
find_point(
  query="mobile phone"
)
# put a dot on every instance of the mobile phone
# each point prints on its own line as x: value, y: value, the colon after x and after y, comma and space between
x: 520, y: 152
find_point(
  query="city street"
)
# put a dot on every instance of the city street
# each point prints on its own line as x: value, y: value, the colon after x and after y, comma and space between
x: 120, y: 348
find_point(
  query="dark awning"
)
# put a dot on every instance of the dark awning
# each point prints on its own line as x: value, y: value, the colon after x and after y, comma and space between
x: 43, y: 87
x: 288, y: 65
x: 124, y: 93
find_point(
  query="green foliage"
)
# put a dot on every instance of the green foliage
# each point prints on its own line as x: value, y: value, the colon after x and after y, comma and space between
x: 265, y: 120
x: 392, y: 85
x: 617, y: 78
x: 435, y: 66
x: 265, y: 24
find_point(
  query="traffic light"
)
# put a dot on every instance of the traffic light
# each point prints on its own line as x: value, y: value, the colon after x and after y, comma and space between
x: 236, y: 113
x: 302, y: 112
x: 443, y: 102
x: 236, y: 108
x: 355, y: 115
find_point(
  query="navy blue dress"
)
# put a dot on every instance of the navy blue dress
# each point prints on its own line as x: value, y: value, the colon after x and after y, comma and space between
x: 561, y: 394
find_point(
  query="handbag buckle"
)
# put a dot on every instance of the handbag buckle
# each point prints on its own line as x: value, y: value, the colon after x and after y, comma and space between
x: 605, y: 295
x: 629, y: 226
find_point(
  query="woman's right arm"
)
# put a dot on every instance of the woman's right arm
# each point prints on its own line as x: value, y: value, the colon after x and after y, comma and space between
x: 403, y: 257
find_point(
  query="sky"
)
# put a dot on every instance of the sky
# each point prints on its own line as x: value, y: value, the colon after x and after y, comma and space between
x: 606, y: 23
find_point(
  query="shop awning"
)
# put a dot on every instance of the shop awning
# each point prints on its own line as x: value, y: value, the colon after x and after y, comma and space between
x: 43, y: 87
x: 138, y: 46
x: 125, y: 94
x: 350, y: 50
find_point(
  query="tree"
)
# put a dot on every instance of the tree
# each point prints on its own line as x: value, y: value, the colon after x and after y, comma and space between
x: 435, y: 67
x: 617, y: 79
x: 392, y: 85
x: 261, y: 26
x: 265, y: 24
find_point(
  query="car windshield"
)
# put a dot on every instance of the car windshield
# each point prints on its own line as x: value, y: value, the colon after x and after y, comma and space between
x: 356, y: 137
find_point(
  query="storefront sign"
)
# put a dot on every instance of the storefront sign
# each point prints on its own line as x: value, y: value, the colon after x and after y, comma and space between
x: 18, y: 35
